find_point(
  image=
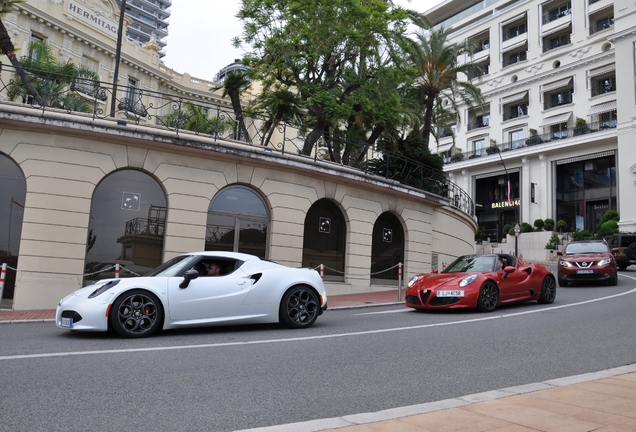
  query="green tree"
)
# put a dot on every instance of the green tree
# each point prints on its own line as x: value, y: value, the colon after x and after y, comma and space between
x: 440, y: 71
x: 193, y: 118
x: 233, y: 85
x: 7, y: 48
x: 339, y: 56
x: 278, y: 105
x: 53, y: 81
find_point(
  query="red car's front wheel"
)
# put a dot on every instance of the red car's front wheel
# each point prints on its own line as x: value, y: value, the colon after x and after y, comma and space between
x: 488, y: 297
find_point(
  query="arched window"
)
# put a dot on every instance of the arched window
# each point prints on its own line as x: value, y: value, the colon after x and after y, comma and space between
x: 12, y: 197
x: 238, y: 209
x: 324, y: 239
x: 387, y: 249
x: 127, y: 224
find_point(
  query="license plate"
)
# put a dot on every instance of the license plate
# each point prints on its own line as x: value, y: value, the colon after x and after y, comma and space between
x: 584, y: 271
x: 450, y: 293
x: 67, y: 322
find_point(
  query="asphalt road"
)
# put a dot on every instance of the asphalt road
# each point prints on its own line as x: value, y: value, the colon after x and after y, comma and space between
x: 350, y: 361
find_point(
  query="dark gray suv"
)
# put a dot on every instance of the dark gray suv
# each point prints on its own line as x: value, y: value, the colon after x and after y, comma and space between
x: 623, y: 247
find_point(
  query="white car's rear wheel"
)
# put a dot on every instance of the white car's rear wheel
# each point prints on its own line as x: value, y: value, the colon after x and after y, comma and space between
x: 300, y: 307
x: 135, y: 314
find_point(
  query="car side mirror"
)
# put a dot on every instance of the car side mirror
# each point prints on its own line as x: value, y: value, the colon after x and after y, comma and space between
x: 509, y: 269
x: 560, y: 253
x: 187, y: 277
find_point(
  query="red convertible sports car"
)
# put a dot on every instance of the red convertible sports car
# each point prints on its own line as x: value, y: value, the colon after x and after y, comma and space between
x: 482, y: 282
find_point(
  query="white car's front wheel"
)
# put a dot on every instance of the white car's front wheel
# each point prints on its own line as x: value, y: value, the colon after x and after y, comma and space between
x: 300, y: 307
x: 135, y: 314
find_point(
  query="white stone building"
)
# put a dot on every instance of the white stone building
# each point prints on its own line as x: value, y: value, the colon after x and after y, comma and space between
x: 559, y: 84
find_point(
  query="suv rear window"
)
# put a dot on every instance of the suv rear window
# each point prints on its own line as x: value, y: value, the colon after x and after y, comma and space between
x: 627, y: 240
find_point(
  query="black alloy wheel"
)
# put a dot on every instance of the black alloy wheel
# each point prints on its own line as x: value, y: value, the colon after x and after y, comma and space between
x: 548, y: 290
x: 488, y: 297
x: 300, y: 307
x: 136, y: 314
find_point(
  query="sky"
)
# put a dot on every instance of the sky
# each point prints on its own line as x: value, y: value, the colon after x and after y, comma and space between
x: 201, y: 32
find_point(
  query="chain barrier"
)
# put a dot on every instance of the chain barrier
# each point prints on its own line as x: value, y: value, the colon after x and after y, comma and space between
x: 50, y: 276
x: 322, y: 266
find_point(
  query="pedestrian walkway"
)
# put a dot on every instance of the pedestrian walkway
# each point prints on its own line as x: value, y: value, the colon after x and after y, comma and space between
x: 334, y: 302
x: 601, y: 401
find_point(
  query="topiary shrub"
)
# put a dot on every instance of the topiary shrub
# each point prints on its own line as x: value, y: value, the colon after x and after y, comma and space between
x: 508, y: 227
x: 583, y: 235
x: 526, y: 227
x: 607, y: 228
x: 538, y: 224
x: 562, y: 225
x: 549, y: 224
x: 554, y: 242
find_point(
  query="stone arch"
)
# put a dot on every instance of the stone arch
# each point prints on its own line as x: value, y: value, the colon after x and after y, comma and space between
x: 387, y: 247
x: 324, y: 239
x: 238, y: 220
x: 126, y: 226
x: 12, y: 201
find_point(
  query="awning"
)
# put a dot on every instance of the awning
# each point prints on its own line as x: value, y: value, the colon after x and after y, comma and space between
x: 514, y: 98
x: 444, y: 147
x: 602, y: 70
x: 555, y: 85
x: 521, y: 43
x: 602, y: 108
x: 561, y: 118
x: 556, y: 29
x: 513, y: 19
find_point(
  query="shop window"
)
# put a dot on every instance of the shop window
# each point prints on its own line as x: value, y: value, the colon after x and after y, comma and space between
x: 387, y: 249
x: 324, y: 239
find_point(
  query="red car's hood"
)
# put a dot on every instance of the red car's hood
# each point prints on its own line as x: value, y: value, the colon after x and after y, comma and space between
x: 587, y: 256
x: 433, y: 281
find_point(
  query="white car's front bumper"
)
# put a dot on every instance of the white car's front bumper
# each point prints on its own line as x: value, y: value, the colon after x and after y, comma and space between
x: 79, y: 313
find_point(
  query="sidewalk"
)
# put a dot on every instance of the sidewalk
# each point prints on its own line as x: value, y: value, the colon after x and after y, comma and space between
x: 334, y: 302
x: 601, y: 401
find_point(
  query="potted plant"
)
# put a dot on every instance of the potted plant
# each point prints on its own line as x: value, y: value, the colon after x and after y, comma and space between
x: 492, y: 149
x: 580, y: 126
x: 458, y: 156
x: 534, y: 138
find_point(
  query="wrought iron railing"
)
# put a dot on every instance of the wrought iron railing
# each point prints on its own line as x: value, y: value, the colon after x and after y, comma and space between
x: 217, y: 120
x: 595, y: 28
x: 555, y: 15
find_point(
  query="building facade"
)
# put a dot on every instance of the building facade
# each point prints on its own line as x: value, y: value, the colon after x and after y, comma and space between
x: 150, y: 18
x: 558, y: 123
x: 82, y: 192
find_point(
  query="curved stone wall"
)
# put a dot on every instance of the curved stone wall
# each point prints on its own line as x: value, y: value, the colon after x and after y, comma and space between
x: 65, y: 157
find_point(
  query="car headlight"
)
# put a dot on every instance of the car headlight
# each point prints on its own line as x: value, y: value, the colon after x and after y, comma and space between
x: 565, y: 263
x: 604, y: 262
x: 468, y: 280
x: 413, y: 280
x: 102, y: 289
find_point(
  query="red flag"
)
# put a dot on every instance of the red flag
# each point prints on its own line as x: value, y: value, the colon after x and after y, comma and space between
x: 509, y: 193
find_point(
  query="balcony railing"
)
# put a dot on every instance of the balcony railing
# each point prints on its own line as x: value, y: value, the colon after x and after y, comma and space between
x: 556, y: 43
x: 604, y: 87
x: 515, y: 58
x: 553, y: 16
x: 566, y: 98
x: 590, y: 128
x: 190, y: 117
x: 600, y: 27
x: 515, y: 112
x: 476, y: 124
x: 509, y: 34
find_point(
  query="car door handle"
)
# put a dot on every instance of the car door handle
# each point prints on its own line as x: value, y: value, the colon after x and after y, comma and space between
x: 240, y: 283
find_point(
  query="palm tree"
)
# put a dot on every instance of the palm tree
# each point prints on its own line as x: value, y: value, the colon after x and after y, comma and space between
x: 278, y: 105
x: 7, y: 48
x: 193, y: 118
x: 438, y: 68
x: 53, y: 81
x: 235, y: 82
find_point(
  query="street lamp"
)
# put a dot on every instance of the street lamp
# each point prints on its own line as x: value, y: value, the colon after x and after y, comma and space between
x: 122, y: 11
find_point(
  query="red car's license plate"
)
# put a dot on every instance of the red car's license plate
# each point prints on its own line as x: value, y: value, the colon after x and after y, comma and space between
x: 584, y: 271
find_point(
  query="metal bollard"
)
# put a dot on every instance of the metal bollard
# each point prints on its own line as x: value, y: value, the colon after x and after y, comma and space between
x: 3, y: 275
x: 400, y: 282
x: 116, y: 271
x: 322, y: 271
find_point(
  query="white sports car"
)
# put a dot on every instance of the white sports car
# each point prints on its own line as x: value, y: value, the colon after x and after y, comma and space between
x: 197, y: 289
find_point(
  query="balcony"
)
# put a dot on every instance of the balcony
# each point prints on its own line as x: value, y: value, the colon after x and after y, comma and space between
x: 477, y: 123
x: 548, y: 137
x: 515, y: 58
x: 557, y: 42
x: 601, y: 25
x: 515, y: 111
x: 558, y: 100
x: 604, y: 86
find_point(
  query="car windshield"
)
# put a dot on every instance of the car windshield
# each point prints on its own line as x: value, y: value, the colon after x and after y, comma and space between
x: 583, y: 248
x: 472, y: 263
x: 171, y: 267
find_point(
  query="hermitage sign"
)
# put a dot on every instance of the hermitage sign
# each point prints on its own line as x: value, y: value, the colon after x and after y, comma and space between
x: 91, y: 18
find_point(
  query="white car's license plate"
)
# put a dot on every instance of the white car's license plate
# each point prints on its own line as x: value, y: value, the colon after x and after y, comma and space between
x: 67, y: 322
x: 450, y: 293
x: 584, y: 271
